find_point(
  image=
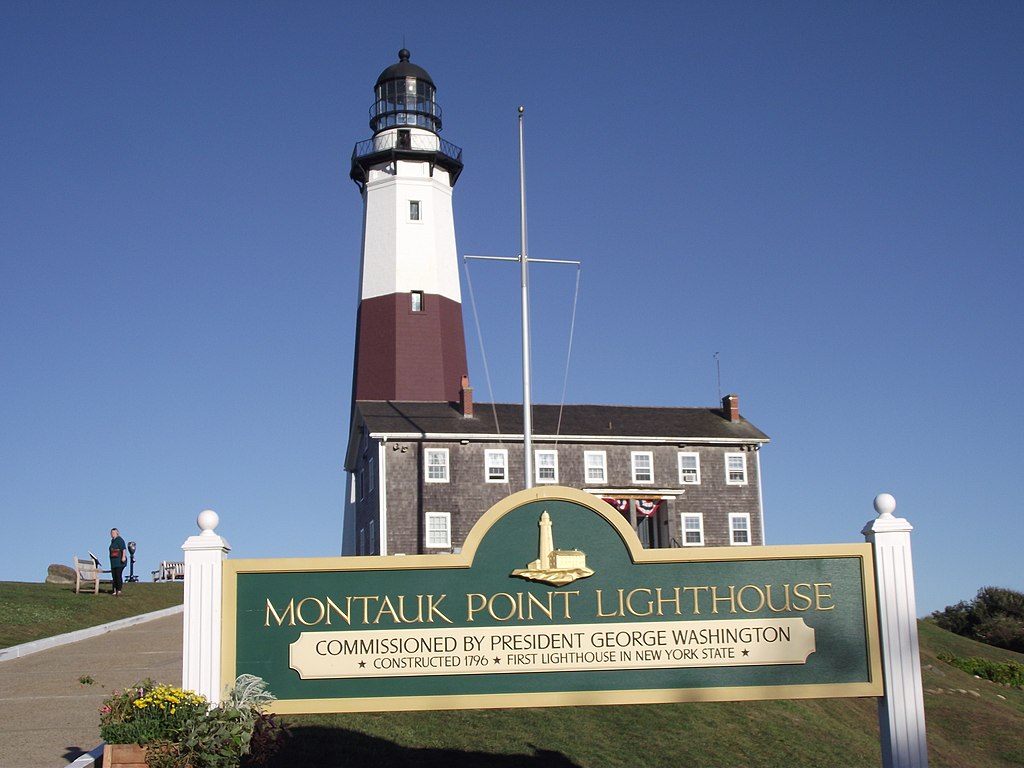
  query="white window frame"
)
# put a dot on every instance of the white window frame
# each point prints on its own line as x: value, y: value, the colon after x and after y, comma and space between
x: 427, y: 465
x: 742, y: 459
x: 416, y: 301
x: 699, y: 517
x: 430, y: 540
x: 683, y: 477
x: 489, y: 455
x: 601, y: 464
x: 745, y: 519
x: 539, y: 466
x: 633, y: 456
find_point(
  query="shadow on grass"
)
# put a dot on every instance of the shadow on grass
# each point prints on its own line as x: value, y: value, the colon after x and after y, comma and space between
x: 322, y: 747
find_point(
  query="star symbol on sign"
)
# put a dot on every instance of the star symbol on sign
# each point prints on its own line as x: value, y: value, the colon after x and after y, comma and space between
x: 497, y: 659
x: 362, y: 664
x: 746, y: 652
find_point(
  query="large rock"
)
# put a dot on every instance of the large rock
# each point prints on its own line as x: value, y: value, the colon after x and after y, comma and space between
x: 60, y: 574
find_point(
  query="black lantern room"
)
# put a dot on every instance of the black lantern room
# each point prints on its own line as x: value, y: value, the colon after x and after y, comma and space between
x: 405, y: 98
x: 403, y: 117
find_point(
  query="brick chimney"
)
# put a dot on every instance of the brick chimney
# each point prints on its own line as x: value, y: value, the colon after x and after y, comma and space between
x: 731, y: 408
x: 466, y: 398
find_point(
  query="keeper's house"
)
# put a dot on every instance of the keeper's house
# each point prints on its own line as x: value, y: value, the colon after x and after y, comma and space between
x: 424, y: 463
x: 424, y: 472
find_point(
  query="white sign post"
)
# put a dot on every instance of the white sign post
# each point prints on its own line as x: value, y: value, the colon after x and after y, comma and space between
x: 204, y: 587
x: 901, y: 709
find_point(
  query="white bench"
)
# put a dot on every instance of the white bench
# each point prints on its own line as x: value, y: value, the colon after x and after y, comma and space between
x: 87, y: 571
x: 170, y: 570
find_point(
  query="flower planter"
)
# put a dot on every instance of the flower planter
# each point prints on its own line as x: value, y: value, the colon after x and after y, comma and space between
x: 124, y: 756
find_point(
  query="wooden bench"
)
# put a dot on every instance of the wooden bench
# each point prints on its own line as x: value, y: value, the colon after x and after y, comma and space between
x: 87, y: 571
x: 170, y: 570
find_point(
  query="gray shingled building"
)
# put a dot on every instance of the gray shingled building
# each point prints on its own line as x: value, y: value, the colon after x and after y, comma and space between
x: 426, y: 471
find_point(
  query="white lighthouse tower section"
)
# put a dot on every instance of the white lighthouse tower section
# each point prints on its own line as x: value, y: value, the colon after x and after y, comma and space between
x: 409, y: 232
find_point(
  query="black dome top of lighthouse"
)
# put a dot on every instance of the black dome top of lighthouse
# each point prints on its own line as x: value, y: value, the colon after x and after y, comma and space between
x: 403, y: 69
x: 405, y: 97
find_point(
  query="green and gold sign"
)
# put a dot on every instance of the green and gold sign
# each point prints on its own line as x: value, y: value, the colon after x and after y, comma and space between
x: 554, y: 602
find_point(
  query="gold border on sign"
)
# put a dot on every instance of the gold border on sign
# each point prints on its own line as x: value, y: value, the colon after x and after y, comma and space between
x: 639, y: 555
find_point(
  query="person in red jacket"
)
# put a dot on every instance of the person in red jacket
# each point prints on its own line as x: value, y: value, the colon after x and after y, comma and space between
x: 118, y: 558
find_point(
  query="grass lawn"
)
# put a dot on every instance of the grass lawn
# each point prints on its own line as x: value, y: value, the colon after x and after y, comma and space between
x: 971, y: 723
x: 34, y: 611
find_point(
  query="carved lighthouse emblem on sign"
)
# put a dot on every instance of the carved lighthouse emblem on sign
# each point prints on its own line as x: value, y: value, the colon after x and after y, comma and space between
x: 554, y: 566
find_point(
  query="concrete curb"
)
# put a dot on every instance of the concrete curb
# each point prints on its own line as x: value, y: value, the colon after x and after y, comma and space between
x: 88, y: 758
x: 17, y: 651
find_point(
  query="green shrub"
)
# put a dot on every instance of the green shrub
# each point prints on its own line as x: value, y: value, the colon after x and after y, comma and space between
x: 1006, y: 672
x: 223, y: 735
x: 181, y: 729
x: 147, y: 712
x: 994, y: 617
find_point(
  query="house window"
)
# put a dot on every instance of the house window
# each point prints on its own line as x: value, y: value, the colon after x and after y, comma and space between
x: 595, y: 467
x: 439, y: 530
x: 739, y: 528
x: 371, y: 473
x: 736, y: 468
x: 372, y: 540
x: 496, y: 466
x: 693, y: 529
x: 643, y: 467
x: 436, y: 460
x: 416, y: 301
x: 689, y: 468
x: 546, y: 466
x: 414, y: 210
x: 361, y: 549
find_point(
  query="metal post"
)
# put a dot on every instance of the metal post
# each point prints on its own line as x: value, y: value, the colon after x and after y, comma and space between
x: 901, y: 709
x: 524, y: 261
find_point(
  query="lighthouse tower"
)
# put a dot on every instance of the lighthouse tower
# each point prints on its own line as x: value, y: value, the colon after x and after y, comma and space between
x: 410, y: 344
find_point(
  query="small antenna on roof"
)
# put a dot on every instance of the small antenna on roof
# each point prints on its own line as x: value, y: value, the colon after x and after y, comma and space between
x: 718, y: 372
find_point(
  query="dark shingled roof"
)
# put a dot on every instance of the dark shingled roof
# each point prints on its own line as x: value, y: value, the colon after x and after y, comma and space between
x: 611, y: 421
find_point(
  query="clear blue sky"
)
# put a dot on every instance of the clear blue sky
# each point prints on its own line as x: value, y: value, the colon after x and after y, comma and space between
x: 828, y: 195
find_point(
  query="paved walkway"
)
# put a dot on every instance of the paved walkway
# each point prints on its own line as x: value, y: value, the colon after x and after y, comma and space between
x: 48, y: 717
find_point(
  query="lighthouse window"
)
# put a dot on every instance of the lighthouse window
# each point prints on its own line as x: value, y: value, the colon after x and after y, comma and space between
x: 416, y: 301
x: 414, y: 210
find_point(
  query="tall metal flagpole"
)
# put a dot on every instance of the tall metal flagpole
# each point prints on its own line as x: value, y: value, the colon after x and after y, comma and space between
x: 524, y: 261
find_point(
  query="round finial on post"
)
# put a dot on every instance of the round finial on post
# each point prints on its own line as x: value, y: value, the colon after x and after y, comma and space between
x: 207, y: 521
x: 885, y: 504
x: 522, y: 109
